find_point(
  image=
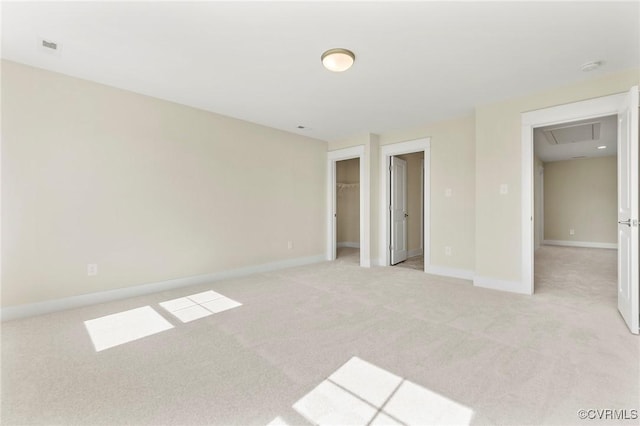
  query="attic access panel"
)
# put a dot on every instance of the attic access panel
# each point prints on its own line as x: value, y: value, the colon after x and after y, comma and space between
x: 563, y: 134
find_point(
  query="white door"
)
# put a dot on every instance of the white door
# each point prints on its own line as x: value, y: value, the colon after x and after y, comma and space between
x: 398, y: 210
x: 628, y: 276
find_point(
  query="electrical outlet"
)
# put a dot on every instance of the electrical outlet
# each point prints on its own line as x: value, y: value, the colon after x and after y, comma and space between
x: 290, y: 245
x: 447, y: 251
x: 572, y: 232
x: 504, y: 189
x: 92, y: 269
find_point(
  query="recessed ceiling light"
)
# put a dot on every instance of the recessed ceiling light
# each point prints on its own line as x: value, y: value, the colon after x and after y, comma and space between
x: 338, y: 60
x: 590, y: 66
x: 602, y: 147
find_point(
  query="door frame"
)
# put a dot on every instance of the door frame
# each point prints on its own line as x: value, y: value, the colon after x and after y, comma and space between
x: 582, y: 110
x: 386, y: 152
x: 422, y: 205
x: 332, y: 158
x: 538, y: 206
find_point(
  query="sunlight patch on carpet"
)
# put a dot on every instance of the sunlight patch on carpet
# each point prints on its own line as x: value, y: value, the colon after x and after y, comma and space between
x: 123, y: 327
x: 199, y: 305
x: 360, y: 393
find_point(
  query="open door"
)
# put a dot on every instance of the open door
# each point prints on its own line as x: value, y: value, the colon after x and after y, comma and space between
x: 398, y: 210
x: 628, y: 274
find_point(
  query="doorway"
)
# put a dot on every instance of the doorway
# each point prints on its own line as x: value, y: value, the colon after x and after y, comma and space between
x: 575, y: 183
x: 575, y: 205
x: 333, y: 157
x: 625, y: 107
x: 407, y: 212
x: 421, y: 147
x: 348, y: 210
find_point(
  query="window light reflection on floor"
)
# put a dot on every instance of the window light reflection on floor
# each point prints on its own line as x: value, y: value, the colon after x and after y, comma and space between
x: 199, y: 305
x: 123, y: 327
x: 278, y: 421
x: 360, y: 393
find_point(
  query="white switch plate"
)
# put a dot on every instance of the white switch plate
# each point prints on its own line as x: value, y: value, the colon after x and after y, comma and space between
x: 572, y: 232
x: 504, y: 188
x: 447, y: 251
x: 447, y: 192
x: 290, y: 245
x: 92, y: 269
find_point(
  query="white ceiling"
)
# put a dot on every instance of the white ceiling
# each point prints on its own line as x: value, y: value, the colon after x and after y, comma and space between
x: 578, y: 147
x: 416, y: 62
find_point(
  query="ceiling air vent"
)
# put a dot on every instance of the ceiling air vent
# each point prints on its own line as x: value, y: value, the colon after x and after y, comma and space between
x: 583, y: 132
x: 49, y: 46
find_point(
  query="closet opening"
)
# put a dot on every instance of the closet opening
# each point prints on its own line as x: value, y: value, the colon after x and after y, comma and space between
x: 348, y: 210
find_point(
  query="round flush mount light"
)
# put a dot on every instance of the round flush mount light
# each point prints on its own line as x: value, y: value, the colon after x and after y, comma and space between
x: 590, y: 66
x: 338, y: 60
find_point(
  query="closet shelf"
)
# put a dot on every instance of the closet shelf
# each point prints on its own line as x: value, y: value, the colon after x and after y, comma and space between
x: 342, y: 186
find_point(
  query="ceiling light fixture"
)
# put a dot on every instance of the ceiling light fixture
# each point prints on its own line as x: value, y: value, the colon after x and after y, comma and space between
x: 338, y: 60
x: 590, y: 66
x: 602, y: 147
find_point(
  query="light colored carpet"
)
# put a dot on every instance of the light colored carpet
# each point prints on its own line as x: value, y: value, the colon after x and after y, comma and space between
x: 510, y: 359
x: 348, y: 255
x: 415, y: 262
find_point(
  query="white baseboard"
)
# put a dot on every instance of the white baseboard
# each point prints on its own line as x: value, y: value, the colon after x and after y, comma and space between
x: 377, y: 262
x: 415, y: 252
x: 33, y: 309
x: 348, y: 244
x: 502, y: 285
x: 587, y: 244
x: 464, y: 274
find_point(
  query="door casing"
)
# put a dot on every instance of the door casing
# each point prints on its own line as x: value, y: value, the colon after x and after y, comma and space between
x: 386, y: 152
x: 591, y: 108
x: 332, y: 158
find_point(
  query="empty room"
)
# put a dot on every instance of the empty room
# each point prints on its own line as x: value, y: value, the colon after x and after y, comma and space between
x: 319, y: 213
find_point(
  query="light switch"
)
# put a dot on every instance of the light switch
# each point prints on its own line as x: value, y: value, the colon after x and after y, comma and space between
x: 92, y: 269
x: 447, y: 192
x: 504, y: 188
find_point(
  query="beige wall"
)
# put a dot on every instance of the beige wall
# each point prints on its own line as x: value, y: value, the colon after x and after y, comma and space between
x: 148, y: 190
x: 348, y: 200
x: 452, y: 166
x: 581, y: 195
x: 473, y: 156
x: 151, y: 190
x: 499, y: 160
x: 414, y: 199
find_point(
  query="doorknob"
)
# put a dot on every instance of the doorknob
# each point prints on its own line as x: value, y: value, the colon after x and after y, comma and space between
x: 625, y: 222
x: 406, y: 215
